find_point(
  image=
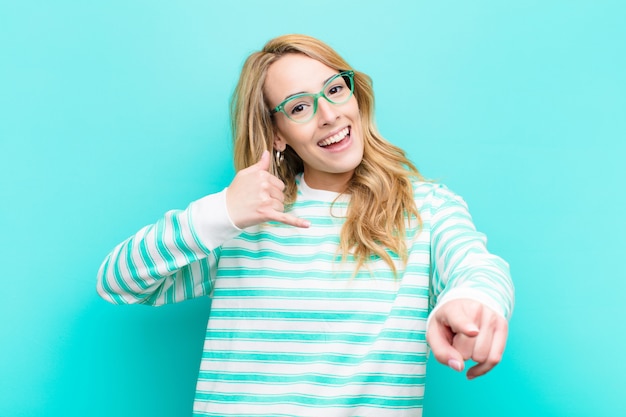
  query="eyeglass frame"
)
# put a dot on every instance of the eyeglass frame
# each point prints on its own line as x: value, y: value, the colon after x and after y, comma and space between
x: 281, y: 107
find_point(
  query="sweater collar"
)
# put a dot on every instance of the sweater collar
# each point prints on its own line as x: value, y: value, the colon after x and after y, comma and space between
x: 308, y: 193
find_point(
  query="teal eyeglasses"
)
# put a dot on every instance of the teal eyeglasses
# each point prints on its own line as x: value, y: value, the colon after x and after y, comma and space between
x: 302, y: 107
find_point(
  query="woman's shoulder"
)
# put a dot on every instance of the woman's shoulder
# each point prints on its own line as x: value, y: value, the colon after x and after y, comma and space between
x: 429, y: 193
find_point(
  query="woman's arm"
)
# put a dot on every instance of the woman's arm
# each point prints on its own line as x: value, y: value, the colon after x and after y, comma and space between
x: 175, y: 259
x: 171, y: 260
x: 472, y: 291
x: 462, y: 265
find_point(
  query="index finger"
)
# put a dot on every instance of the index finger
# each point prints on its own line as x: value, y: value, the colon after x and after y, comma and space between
x: 498, y: 344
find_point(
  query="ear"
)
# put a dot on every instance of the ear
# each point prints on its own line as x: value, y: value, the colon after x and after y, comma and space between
x: 279, y: 142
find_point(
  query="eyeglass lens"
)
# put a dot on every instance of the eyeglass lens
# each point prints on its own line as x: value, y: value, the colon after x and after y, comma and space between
x: 337, y: 91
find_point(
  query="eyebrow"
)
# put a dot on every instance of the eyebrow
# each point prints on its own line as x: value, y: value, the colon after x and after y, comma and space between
x: 304, y: 92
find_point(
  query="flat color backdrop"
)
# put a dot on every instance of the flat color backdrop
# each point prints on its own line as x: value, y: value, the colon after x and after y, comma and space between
x: 113, y: 112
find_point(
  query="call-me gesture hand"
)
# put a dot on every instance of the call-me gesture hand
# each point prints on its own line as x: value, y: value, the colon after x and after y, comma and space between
x: 465, y: 329
x: 256, y: 196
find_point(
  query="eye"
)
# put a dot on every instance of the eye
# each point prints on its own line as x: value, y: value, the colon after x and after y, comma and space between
x: 335, y: 89
x: 298, y: 107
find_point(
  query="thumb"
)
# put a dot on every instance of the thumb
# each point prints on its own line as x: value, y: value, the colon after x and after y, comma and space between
x: 264, y: 162
x: 459, y: 318
x: 440, y: 338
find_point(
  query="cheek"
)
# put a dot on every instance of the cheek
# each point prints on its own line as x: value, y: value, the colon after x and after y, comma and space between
x: 295, y: 135
x: 283, y: 131
x: 355, y: 112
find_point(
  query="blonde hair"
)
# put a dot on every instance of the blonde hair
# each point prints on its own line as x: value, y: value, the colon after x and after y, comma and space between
x: 381, y: 190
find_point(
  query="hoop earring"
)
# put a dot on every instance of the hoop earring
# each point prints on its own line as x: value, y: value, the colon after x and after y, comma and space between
x: 280, y: 157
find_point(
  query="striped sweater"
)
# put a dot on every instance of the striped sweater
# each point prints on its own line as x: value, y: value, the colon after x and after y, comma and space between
x: 292, y: 330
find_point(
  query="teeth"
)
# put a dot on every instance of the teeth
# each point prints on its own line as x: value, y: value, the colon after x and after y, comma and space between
x: 335, y: 138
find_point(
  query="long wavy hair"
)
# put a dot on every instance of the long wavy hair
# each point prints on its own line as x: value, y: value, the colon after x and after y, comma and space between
x: 381, y: 191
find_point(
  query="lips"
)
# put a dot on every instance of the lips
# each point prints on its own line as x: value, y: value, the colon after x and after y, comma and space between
x: 335, y: 138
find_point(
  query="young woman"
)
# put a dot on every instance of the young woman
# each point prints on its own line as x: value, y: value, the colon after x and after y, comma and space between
x: 330, y: 261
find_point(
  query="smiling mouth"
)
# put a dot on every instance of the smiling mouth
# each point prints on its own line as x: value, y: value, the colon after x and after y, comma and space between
x: 336, y: 138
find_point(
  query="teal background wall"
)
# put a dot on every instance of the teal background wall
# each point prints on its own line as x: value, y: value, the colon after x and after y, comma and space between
x: 112, y: 112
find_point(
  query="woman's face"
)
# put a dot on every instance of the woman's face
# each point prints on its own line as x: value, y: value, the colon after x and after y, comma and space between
x: 331, y: 143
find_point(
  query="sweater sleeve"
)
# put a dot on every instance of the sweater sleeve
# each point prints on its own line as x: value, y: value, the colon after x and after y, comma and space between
x: 462, y: 267
x: 172, y: 260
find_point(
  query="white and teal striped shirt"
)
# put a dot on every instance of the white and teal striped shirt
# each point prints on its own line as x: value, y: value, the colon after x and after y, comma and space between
x: 292, y: 331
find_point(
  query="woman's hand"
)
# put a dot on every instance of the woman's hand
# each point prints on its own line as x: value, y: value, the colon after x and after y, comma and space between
x: 256, y: 196
x: 465, y: 329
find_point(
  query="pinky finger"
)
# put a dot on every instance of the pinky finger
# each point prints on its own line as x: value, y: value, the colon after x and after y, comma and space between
x: 293, y: 220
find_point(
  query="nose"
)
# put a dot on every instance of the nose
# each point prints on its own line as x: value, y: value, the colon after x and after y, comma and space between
x: 326, y: 111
